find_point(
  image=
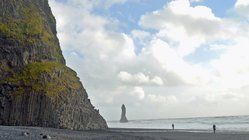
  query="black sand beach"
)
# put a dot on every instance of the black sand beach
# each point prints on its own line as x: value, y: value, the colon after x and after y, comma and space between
x: 37, y: 133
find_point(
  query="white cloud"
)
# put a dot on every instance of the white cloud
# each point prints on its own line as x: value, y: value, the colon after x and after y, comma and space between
x: 241, y: 3
x: 141, y: 38
x: 139, y: 79
x: 242, y: 8
x: 232, y: 67
x: 170, y: 61
x: 139, y: 34
x: 180, y: 12
x: 161, y: 99
x: 151, y: 69
x: 125, y: 76
x: 138, y: 92
x: 183, y: 26
x: 196, y: 0
x: 196, y: 12
x: 157, y: 80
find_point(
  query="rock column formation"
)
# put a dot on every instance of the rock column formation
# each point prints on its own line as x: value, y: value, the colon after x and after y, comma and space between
x: 123, y: 114
x: 36, y: 87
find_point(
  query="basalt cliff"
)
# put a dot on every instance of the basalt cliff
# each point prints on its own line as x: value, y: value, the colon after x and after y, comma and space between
x: 36, y: 87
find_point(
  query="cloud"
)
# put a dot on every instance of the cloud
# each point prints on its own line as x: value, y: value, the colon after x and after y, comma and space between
x: 161, y: 99
x: 242, y: 8
x: 185, y: 29
x: 138, y: 92
x: 187, y: 17
x: 140, y: 35
x: 171, y: 62
x: 157, y: 80
x: 196, y: 0
x: 241, y: 3
x: 150, y: 71
x: 109, y: 3
x: 139, y: 79
x: 232, y: 66
x: 141, y: 39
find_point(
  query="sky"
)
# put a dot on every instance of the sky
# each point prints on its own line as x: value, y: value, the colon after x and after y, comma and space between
x: 161, y: 58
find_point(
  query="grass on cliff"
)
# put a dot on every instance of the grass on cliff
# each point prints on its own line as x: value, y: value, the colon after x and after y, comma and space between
x: 28, y: 28
x: 31, y: 27
x: 50, y: 78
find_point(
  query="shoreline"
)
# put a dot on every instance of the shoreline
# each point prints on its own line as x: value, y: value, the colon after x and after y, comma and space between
x: 36, y: 133
x: 177, y: 130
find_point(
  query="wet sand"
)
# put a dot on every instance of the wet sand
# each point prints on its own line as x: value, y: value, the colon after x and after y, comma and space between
x: 37, y: 133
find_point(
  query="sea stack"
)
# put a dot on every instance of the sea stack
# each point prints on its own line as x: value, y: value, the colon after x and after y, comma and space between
x: 123, y: 114
x: 36, y: 87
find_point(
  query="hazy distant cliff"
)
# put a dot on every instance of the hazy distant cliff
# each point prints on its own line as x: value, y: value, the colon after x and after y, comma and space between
x: 36, y: 88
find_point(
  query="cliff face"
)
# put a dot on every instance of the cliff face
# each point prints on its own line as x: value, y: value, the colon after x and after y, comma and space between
x: 36, y: 88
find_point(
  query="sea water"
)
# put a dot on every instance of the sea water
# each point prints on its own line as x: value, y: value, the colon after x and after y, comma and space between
x: 226, y: 123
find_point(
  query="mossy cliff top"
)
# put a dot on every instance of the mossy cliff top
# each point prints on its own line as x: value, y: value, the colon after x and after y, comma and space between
x: 30, y: 23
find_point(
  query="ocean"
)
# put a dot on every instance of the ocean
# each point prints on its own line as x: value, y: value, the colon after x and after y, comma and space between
x: 223, y: 123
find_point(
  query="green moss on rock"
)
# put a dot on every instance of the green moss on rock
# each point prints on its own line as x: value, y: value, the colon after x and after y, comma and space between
x: 50, y: 78
x: 30, y: 27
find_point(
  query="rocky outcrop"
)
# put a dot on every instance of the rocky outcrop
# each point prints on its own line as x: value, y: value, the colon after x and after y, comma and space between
x: 123, y: 114
x: 36, y: 87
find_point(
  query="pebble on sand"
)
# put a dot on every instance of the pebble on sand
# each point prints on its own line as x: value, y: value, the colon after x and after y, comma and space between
x: 26, y: 133
x: 46, y: 137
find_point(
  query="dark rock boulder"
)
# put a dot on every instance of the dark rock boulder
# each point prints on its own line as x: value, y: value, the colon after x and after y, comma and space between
x: 123, y: 114
x: 36, y: 87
